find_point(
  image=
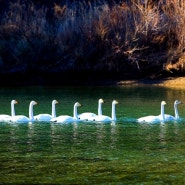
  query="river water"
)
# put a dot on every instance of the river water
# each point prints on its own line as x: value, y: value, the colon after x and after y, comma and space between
x: 124, y: 152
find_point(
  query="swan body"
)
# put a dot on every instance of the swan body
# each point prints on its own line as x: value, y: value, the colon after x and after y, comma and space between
x: 176, y: 117
x: 149, y: 119
x: 63, y: 119
x: 86, y: 116
x: 66, y: 118
x: 152, y: 118
x: 47, y: 117
x: 89, y: 115
x: 6, y: 117
x: 104, y: 118
x: 23, y: 118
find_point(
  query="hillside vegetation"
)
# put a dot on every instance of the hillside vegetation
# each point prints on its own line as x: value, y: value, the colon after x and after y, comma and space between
x: 94, y: 40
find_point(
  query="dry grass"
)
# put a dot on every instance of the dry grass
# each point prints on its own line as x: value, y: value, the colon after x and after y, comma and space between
x: 140, y: 37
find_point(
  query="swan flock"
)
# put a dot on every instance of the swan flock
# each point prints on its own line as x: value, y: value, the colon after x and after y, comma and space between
x: 98, y: 117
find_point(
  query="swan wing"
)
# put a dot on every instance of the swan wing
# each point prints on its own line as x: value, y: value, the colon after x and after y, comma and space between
x: 102, y: 118
x: 169, y: 117
x: 149, y: 119
x: 86, y: 116
x: 43, y: 117
x: 20, y: 119
x: 63, y: 119
x: 5, y: 118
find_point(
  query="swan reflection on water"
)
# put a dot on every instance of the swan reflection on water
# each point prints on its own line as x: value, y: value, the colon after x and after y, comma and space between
x: 77, y: 133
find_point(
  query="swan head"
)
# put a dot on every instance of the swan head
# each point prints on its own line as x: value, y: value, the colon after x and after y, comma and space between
x: 101, y: 100
x: 77, y: 104
x: 163, y: 103
x: 115, y: 102
x: 177, y: 102
x: 55, y: 101
x: 14, y: 102
x: 33, y: 102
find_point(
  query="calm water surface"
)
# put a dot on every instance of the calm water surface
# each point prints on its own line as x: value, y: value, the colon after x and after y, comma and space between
x: 124, y: 152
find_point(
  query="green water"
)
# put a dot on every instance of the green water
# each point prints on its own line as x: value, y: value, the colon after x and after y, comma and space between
x: 89, y: 153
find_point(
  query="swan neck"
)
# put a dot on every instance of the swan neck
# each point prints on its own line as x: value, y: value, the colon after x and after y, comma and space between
x: 176, y: 112
x: 113, y: 112
x: 99, y: 109
x: 31, y: 112
x: 162, y: 112
x: 53, y: 111
x: 12, y: 109
x: 75, y: 114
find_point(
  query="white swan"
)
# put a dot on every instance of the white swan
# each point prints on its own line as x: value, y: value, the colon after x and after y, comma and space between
x: 22, y: 118
x: 104, y: 118
x: 47, y: 117
x: 176, y: 117
x: 6, y: 117
x: 89, y: 115
x: 66, y: 118
x: 154, y: 119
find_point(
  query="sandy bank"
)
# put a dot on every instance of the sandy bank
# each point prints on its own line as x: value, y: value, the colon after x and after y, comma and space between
x: 178, y: 82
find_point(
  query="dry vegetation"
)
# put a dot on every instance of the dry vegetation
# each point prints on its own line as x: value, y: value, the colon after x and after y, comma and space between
x: 130, y: 39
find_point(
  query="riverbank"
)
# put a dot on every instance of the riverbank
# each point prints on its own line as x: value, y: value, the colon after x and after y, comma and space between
x: 171, y: 82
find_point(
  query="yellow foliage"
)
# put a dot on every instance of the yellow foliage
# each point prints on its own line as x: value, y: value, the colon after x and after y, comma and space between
x: 59, y: 11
